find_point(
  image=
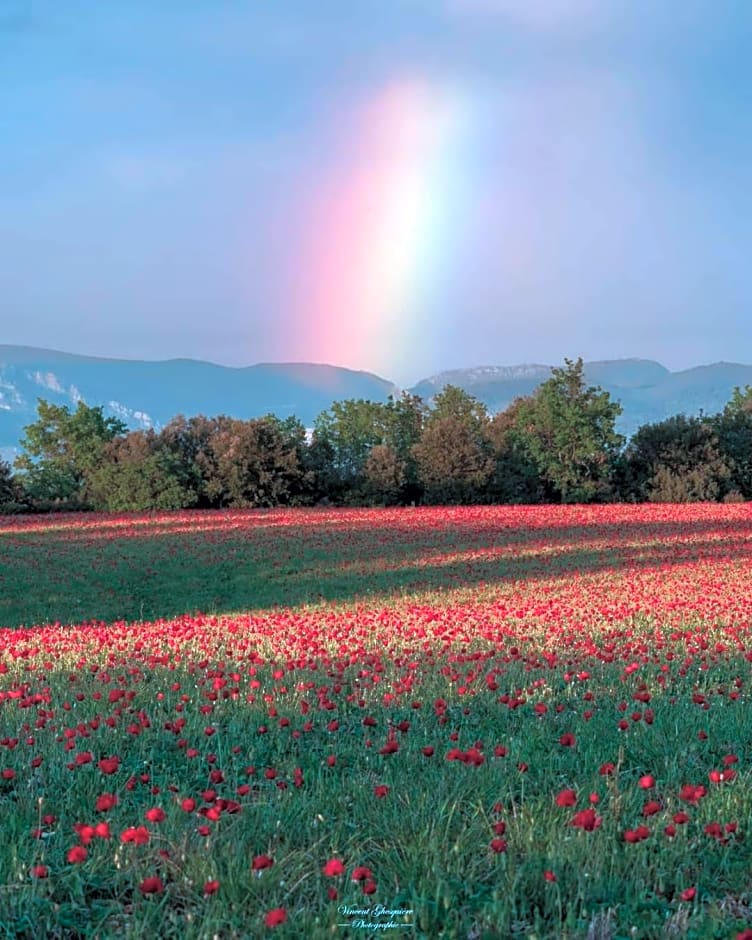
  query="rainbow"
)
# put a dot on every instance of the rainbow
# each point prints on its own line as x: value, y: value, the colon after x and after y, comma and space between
x: 377, y: 235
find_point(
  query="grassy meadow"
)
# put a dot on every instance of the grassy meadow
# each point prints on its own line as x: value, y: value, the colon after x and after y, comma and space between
x: 471, y: 723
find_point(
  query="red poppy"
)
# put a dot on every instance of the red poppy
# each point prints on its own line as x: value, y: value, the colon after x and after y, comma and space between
x: 333, y: 867
x: 151, y: 885
x: 566, y: 798
x: 77, y: 854
x: 587, y: 819
x: 105, y: 802
x: 275, y: 917
x: 139, y: 835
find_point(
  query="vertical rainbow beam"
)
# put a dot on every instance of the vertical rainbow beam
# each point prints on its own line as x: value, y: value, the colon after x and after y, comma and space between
x: 376, y: 237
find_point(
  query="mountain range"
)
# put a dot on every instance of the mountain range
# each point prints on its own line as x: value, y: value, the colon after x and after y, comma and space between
x: 148, y: 394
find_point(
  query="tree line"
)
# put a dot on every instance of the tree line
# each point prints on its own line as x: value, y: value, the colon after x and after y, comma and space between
x: 558, y: 444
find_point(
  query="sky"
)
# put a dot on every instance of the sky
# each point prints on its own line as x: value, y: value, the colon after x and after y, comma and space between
x: 399, y: 186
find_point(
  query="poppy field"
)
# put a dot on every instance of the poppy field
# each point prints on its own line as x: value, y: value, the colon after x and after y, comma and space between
x: 485, y: 722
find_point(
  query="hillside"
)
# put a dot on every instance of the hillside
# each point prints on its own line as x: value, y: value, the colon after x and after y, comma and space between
x: 147, y: 394
x: 647, y: 390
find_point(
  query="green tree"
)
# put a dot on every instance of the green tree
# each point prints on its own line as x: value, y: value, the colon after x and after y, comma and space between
x: 384, y: 475
x: 733, y: 428
x: 135, y: 475
x: 568, y: 428
x: 62, y: 448
x: 256, y: 465
x: 12, y: 497
x: 677, y: 460
x: 454, y: 455
x: 345, y: 433
x: 452, y: 466
x: 516, y: 477
x: 404, y: 420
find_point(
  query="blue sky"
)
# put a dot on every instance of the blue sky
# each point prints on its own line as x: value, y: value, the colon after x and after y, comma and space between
x: 157, y: 160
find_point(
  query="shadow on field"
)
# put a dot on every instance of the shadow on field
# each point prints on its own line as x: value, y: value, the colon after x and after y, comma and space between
x: 256, y: 561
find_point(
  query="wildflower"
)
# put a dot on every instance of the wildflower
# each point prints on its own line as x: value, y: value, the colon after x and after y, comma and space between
x: 151, y: 885
x: 105, y: 802
x: 566, y: 798
x: 333, y: 867
x: 586, y: 819
x: 275, y: 917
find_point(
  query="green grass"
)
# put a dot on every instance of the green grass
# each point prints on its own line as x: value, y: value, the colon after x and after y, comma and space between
x: 416, y: 608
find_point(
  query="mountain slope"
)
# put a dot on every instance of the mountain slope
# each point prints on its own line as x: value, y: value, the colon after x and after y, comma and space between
x: 148, y: 394
x: 647, y: 390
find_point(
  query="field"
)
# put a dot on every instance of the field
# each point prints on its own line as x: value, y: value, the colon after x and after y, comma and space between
x: 488, y: 722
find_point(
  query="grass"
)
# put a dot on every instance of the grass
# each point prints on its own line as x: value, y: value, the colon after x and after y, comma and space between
x: 527, y: 647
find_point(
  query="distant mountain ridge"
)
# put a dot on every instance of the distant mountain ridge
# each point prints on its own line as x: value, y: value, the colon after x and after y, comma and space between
x: 647, y: 390
x: 148, y: 394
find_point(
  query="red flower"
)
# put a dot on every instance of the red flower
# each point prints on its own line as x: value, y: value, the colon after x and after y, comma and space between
x: 549, y: 876
x: 188, y: 805
x: 691, y: 793
x: 566, y: 798
x: 275, y: 917
x: 587, y: 819
x: 155, y: 815
x: 636, y: 835
x: 40, y: 871
x: 369, y: 887
x: 498, y: 845
x: 211, y: 887
x: 428, y: 751
x: 262, y: 861
x: 381, y: 790
x: 108, y: 765
x: 688, y: 894
x: 151, y: 885
x: 651, y: 808
x: 333, y: 867
x: 136, y: 834
x: 77, y: 854
x: 361, y: 873
x: 105, y: 802
x: 646, y: 782
x: 567, y: 740
x: 607, y: 769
